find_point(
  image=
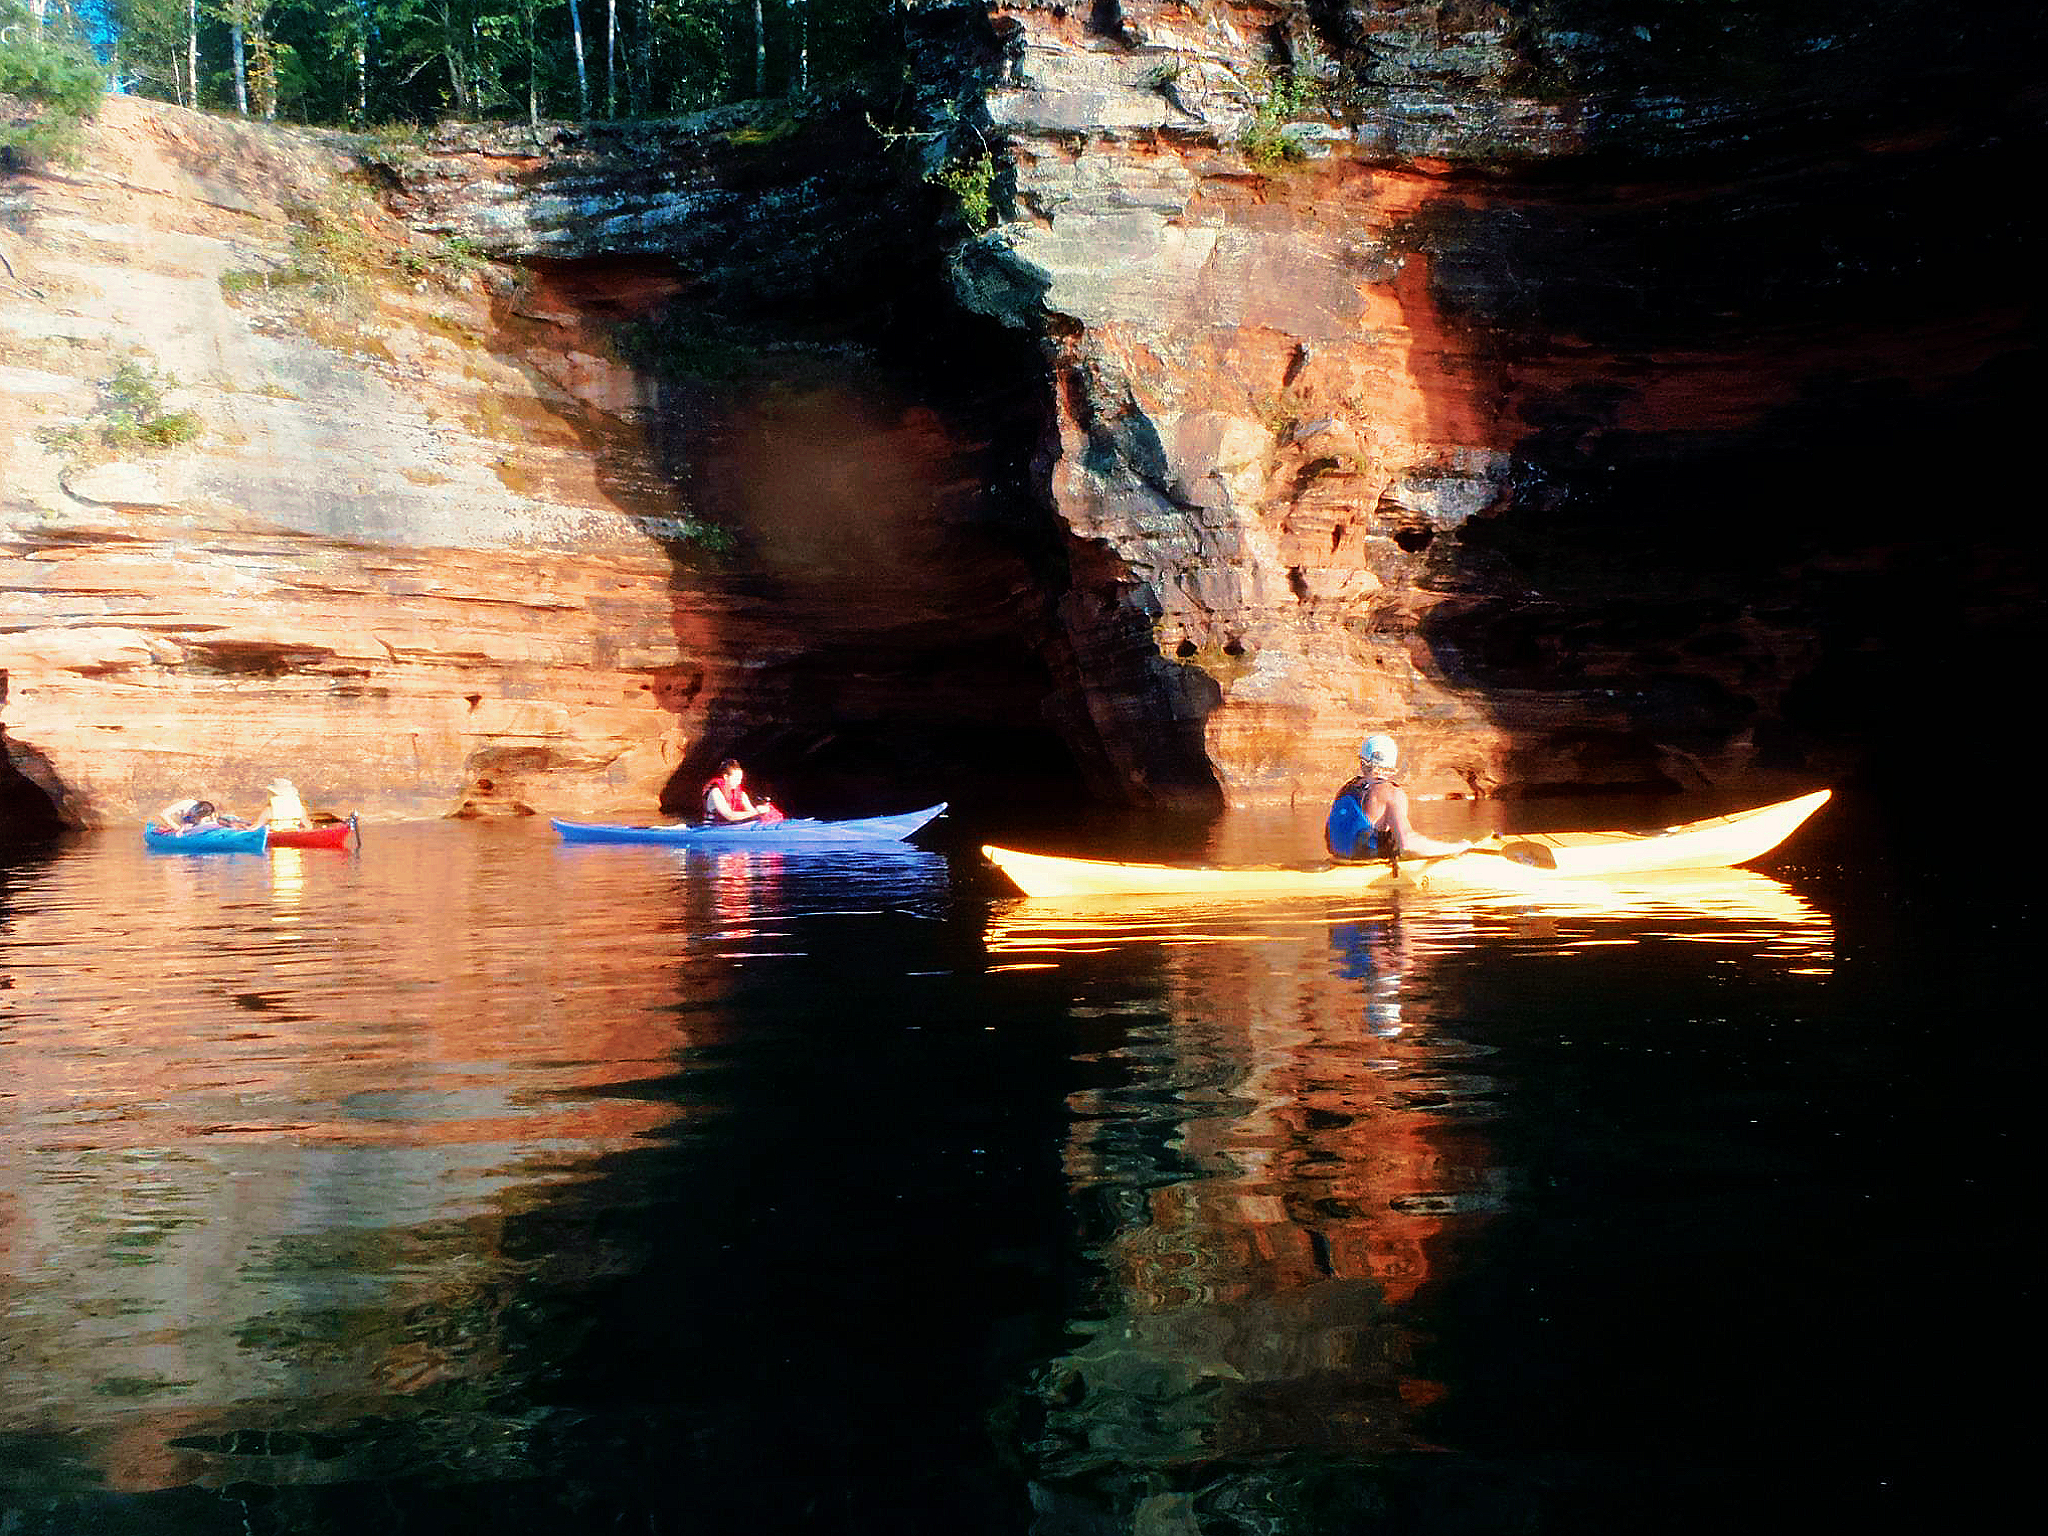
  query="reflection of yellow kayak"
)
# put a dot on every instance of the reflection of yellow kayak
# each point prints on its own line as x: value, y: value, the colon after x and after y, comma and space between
x: 1517, y: 863
x: 1735, y: 907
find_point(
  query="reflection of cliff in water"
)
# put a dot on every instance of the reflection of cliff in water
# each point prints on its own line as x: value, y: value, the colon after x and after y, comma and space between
x: 273, y: 1124
x: 1282, y: 1156
x: 1263, y: 1174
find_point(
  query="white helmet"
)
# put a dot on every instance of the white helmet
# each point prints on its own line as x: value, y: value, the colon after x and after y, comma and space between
x: 1379, y: 752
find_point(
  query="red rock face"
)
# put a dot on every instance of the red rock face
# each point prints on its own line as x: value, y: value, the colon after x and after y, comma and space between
x: 404, y: 554
x: 1598, y: 400
x: 1523, y: 413
x: 438, y: 545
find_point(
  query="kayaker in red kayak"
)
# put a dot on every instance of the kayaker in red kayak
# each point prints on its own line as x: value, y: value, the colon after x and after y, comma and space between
x: 726, y: 800
x: 1369, y: 818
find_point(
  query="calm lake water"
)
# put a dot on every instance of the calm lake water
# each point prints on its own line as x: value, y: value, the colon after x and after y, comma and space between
x: 477, y: 1182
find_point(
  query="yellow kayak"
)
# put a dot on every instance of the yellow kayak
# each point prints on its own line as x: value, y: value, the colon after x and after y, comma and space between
x: 1514, y: 863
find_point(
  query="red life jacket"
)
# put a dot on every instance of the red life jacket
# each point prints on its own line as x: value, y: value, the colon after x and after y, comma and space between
x: 719, y: 783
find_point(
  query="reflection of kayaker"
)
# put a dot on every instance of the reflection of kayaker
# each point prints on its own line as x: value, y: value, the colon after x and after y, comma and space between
x: 726, y: 799
x: 1376, y: 953
x: 1369, y: 817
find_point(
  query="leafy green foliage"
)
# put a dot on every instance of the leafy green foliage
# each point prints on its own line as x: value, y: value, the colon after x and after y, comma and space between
x: 366, y: 62
x: 130, y: 417
x: 449, y: 260
x: 692, y: 534
x: 336, y: 257
x: 1163, y: 76
x: 1284, y: 94
x: 132, y: 411
x: 49, y: 83
x: 972, y: 182
x: 333, y: 255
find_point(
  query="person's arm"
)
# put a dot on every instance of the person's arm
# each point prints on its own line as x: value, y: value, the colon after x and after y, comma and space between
x: 1411, y: 842
x: 725, y: 810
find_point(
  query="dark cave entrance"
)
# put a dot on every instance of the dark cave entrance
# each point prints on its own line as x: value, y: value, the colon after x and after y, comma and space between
x: 868, y: 570
x: 1760, y: 523
x: 28, y: 812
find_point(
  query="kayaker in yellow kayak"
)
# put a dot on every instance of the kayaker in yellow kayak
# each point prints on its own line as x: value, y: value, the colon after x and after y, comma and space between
x: 1369, y: 818
x: 726, y: 800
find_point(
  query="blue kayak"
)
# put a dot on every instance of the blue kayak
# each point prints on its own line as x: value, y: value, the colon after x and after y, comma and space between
x: 207, y: 840
x: 788, y: 834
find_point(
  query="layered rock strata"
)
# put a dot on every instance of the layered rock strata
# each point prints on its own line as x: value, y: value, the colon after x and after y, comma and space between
x: 433, y: 536
x: 1537, y: 382
x: 398, y: 564
x: 1562, y: 387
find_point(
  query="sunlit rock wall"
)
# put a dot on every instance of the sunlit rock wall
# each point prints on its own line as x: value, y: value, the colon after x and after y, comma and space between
x: 1564, y: 394
x: 1594, y: 393
x: 451, y: 530
x: 860, y: 442
x: 414, y: 556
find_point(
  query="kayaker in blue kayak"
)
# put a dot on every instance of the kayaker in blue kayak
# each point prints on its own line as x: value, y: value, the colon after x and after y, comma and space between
x: 1369, y: 818
x: 725, y: 799
x: 182, y: 816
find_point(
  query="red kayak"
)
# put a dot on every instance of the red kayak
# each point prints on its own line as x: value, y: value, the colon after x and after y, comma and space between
x: 333, y: 835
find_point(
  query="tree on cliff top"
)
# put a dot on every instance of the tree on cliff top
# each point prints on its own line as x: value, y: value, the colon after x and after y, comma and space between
x: 369, y: 61
x: 49, y: 82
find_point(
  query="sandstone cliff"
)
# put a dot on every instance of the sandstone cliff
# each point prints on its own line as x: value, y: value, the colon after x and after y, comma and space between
x: 398, y: 560
x: 430, y: 540
x: 1585, y: 390
x: 1563, y: 386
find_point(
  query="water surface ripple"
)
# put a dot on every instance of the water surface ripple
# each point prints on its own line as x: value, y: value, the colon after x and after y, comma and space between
x: 475, y: 1181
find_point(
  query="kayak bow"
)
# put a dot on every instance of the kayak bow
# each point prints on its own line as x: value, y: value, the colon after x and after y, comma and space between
x: 1517, y: 863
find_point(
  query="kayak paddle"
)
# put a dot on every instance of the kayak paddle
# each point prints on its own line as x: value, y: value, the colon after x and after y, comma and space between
x: 1521, y: 851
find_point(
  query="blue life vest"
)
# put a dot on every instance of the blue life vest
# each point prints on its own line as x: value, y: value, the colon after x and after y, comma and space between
x: 1347, y: 833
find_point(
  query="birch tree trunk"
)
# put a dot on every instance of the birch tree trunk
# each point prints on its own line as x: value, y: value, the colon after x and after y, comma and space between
x: 458, y: 87
x: 241, y: 74
x: 611, y: 58
x: 192, y: 49
x: 582, y: 80
x: 760, y: 53
x: 638, y: 86
x: 532, y: 71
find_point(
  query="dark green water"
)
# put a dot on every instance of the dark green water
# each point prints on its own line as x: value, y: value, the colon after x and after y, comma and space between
x: 478, y: 1183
